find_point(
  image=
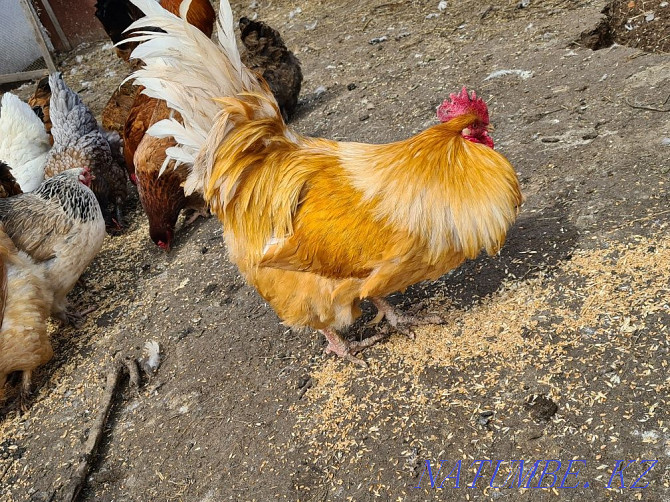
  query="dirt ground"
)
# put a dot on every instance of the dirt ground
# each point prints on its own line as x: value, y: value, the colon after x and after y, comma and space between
x: 558, y: 348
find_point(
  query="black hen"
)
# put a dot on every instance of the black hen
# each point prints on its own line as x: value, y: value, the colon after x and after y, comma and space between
x: 268, y: 55
x: 116, y: 16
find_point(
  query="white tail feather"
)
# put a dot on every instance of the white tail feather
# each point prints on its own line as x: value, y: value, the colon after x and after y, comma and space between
x: 24, y: 142
x: 187, y: 70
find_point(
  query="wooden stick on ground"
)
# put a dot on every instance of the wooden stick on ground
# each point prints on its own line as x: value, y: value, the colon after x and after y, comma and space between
x: 78, y: 479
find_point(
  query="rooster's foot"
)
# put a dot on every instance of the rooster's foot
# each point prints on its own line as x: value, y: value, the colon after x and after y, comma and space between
x: 402, y: 323
x: 346, y: 349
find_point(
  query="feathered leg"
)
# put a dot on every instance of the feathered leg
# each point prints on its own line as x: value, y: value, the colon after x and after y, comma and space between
x: 403, y: 323
x: 345, y: 348
x: 24, y: 394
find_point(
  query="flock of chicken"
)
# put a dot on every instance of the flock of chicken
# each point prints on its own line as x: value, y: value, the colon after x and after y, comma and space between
x: 314, y: 225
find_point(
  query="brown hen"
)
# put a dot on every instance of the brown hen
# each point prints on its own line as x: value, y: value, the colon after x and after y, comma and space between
x: 39, y: 102
x: 25, y: 304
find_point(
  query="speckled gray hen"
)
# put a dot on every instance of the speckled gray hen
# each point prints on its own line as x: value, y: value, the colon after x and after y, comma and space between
x: 80, y: 142
x: 59, y: 225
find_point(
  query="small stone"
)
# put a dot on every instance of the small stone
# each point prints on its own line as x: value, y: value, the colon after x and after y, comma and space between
x: 184, y: 333
x: 541, y: 407
x: 363, y: 117
x: 649, y: 17
x: 378, y: 40
x: 351, y: 86
x: 442, y: 6
x: 203, y: 250
x: 550, y: 139
x: 484, y: 418
x: 590, y: 135
x: 319, y: 91
x: 523, y: 4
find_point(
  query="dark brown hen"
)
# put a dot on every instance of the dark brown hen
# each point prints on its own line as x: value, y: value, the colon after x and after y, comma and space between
x: 268, y: 56
x: 8, y: 185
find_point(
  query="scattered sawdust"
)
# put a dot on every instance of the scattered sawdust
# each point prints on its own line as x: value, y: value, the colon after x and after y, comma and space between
x: 589, y: 311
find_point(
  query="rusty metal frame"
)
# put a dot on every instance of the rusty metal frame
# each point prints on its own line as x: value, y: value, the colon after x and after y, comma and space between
x: 54, y: 20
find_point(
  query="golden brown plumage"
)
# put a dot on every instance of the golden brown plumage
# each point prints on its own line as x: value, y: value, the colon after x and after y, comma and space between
x: 162, y: 198
x: 122, y: 107
x: 200, y: 14
x: 316, y: 225
x: 117, y: 109
x: 25, y: 303
x: 137, y: 123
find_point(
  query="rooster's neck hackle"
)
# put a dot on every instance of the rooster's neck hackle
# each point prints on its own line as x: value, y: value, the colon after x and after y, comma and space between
x: 458, y: 194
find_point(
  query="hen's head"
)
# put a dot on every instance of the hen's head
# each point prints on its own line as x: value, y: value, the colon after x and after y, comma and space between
x: 162, y: 237
x: 86, y: 176
x: 460, y: 104
x: 81, y: 174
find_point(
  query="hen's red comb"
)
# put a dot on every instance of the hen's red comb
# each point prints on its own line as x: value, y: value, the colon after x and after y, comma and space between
x: 461, y: 103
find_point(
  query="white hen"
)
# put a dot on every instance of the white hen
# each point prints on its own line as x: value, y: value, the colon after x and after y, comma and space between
x: 24, y: 142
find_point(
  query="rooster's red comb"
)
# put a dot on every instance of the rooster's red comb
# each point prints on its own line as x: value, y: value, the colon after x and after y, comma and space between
x: 461, y: 103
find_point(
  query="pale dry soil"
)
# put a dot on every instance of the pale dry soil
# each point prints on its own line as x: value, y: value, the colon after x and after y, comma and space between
x: 555, y: 349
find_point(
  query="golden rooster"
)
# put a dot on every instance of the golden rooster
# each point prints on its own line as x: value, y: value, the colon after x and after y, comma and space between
x: 317, y: 225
